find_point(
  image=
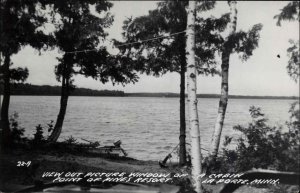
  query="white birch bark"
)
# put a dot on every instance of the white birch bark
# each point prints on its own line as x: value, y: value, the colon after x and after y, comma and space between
x: 192, y: 99
x: 224, y: 86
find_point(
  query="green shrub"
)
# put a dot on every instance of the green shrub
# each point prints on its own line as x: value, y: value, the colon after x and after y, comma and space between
x: 263, y: 146
x: 17, y: 132
x: 38, y: 136
x: 70, y: 140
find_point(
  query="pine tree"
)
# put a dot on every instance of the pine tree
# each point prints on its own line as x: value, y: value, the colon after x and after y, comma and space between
x: 78, y: 35
x: 163, y: 55
x: 19, y: 23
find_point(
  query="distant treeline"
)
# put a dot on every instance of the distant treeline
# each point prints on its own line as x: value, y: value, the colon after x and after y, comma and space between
x: 46, y: 90
x: 208, y: 96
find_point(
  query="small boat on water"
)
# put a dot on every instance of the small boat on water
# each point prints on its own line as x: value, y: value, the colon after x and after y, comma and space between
x: 111, y: 151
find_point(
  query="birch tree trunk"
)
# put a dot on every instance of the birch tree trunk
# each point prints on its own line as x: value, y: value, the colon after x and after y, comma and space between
x: 192, y: 99
x: 224, y: 85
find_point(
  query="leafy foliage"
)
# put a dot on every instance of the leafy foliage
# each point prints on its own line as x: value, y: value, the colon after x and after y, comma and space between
x: 38, y: 136
x: 20, y: 24
x: 293, y: 66
x: 50, y: 126
x: 290, y: 12
x: 264, y: 146
x: 208, y: 42
x: 294, y: 122
x: 78, y: 29
x: 17, y: 74
x: 70, y: 140
x: 167, y: 54
x: 164, y: 55
x: 79, y: 34
x: 244, y: 43
x: 17, y: 132
x: 159, y: 47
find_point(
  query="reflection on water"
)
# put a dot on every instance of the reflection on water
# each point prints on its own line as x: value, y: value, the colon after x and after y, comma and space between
x: 148, y: 127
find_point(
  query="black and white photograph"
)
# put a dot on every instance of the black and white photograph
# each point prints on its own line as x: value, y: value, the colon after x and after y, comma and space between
x: 173, y: 96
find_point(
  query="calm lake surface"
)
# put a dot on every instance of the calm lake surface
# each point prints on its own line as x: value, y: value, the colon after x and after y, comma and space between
x: 148, y: 127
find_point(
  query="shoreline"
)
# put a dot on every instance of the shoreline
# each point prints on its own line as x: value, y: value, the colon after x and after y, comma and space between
x: 161, y: 96
x: 14, y: 178
x: 42, y: 161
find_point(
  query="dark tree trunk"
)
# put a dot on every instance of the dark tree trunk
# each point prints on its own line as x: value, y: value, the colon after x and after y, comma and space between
x: 182, y: 144
x: 5, y: 104
x: 63, y: 108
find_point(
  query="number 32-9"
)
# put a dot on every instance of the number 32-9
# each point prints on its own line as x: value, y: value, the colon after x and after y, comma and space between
x: 22, y: 164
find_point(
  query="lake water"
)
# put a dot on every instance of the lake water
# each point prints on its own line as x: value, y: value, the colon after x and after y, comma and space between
x: 148, y: 127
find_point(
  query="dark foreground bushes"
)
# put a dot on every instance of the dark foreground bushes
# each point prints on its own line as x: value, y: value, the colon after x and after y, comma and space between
x: 263, y: 146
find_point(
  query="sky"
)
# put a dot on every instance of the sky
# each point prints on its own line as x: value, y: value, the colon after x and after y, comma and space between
x: 263, y: 74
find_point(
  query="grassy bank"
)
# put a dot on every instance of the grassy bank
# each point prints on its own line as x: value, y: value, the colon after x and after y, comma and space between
x: 14, y: 178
